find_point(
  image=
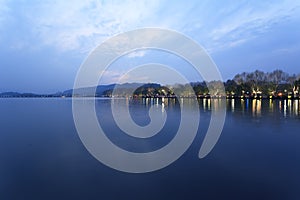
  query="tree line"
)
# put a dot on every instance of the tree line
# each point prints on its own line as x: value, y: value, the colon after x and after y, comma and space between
x: 257, y: 84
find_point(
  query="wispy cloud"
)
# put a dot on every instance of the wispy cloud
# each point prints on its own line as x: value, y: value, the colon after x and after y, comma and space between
x: 55, y: 34
x: 84, y: 24
x: 135, y: 54
x: 246, y: 21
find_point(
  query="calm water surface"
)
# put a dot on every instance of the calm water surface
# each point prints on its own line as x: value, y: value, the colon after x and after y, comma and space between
x: 257, y: 156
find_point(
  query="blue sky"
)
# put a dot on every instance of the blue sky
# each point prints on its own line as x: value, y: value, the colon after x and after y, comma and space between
x: 43, y: 43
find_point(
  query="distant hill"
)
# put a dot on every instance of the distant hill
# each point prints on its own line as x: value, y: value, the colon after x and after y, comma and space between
x: 89, y: 91
x: 101, y: 91
x: 106, y: 90
x: 130, y: 89
x: 10, y: 94
x: 29, y: 95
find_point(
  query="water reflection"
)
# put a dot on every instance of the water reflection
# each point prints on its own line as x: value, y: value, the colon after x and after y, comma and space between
x: 205, y: 104
x: 296, y: 107
x: 260, y: 107
x: 255, y: 107
x: 42, y: 132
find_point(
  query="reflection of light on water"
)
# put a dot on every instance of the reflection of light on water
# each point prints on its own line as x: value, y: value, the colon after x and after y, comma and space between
x: 166, y: 101
x: 181, y: 102
x: 284, y: 109
x: 126, y: 102
x: 280, y: 105
x: 256, y: 107
x: 290, y: 106
x: 259, y: 107
x: 271, y: 105
x: 296, y: 107
x: 208, y: 104
x: 173, y: 101
x: 215, y: 104
x: 247, y: 104
x: 253, y: 107
x: 162, y: 107
x: 243, y: 105
x: 204, y: 104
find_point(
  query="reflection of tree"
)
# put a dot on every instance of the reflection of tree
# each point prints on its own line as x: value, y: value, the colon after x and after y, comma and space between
x: 259, y: 107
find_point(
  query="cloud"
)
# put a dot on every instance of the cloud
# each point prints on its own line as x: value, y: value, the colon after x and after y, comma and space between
x: 245, y: 21
x: 81, y: 25
x: 121, y: 76
x: 136, y: 54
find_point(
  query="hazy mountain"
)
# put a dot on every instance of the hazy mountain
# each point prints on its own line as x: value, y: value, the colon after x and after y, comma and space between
x: 103, y: 90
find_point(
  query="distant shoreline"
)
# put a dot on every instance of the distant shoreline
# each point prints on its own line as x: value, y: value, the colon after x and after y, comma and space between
x: 254, y: 85
x: 174, y: 97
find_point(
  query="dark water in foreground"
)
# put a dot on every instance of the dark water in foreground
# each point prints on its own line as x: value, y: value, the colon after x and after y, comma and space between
x: 257, y: 156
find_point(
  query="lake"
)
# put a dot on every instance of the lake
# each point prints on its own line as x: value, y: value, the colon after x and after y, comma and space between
x: 257, y: 155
